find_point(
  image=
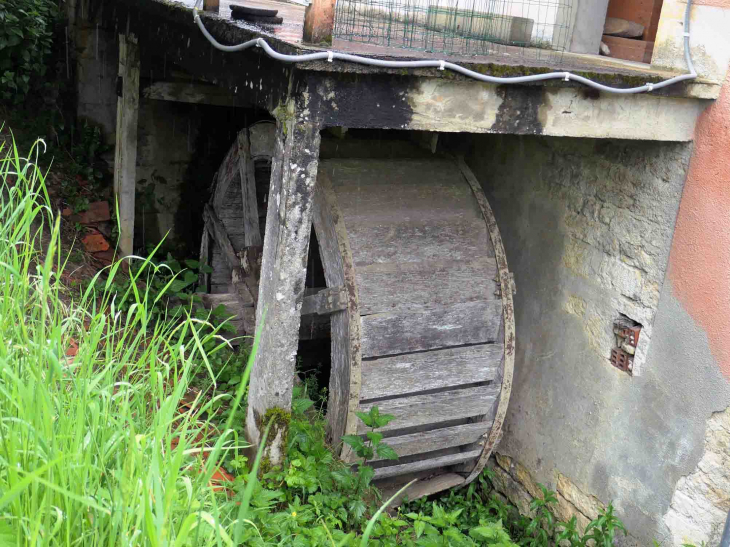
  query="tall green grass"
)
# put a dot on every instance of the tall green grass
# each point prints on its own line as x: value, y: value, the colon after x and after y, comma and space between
x: 94, y: 449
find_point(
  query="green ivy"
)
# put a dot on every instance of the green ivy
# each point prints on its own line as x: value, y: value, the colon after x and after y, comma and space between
x: 26, y: 40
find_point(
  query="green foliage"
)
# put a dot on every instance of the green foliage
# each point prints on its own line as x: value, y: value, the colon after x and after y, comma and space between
x: 170, y: 289
x: 374, y: 445
x: 26, y: 41
x: 85, y: 149
x: 603, y: 529
x: 109, y: 448
x: 93, y: 449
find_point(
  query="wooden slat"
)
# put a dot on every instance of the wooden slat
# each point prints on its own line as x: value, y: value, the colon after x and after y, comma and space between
x: 415, y: 372
x: 204, y: 278
x: 628, y: 49
x: 227, y: 299
x: 421, y: 488
x: 334, y: 249
x: 244, y: 321
x: 227, y: 173
x: 437, y: 439
x: 372, y: 190
x: 125, y: 153
x: 442, y: 461
x: 325, y: 301
x: 252, y: 234
x: 398, y: 239
x: 261, y: 137
x: 241, y: 281
x: 186, y: 92
x: 456, y: 325
x: 409, y: 286
x: 435, y: 407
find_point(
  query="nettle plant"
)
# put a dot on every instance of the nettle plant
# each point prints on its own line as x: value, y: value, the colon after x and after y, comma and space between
x: 366, y: 450
x: 374, y: 444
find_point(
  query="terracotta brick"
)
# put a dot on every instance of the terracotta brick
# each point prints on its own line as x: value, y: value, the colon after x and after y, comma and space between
x: 95, y: 242
x: 105, y: 257
x: 98, y: 211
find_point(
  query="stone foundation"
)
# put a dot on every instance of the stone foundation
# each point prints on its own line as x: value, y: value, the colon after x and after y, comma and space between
x: 701, y: 501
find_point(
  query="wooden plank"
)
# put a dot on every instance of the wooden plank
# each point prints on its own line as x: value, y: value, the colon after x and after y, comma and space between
x: 244, y: 322
x: 643, y: 12
x: 319, y: 21
x: 204, y: 278
x: 446, y: 437
x: 379, y: 191
x: 220, y: 236
x: 252, y: 234
x: 507, y: 325
x: 227, y: 173
x: 630, y: 50
x: 192, y: 93
x: 262, y: 136
x: 125, y: 153
x: 442, y: 461
x: 422, y: 488
x: 227, y: 299
x: 435, y: 407
x: 400, y: 239
x: 455, y: 325
x: 409, y: 286
x: 339, y: 270
x: 325, y: 301
x: 416, y: 372
x: 242, y: 282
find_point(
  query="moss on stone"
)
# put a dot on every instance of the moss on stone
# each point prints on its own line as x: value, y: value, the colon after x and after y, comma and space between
x: 278, y: 417
x: 279, y: 420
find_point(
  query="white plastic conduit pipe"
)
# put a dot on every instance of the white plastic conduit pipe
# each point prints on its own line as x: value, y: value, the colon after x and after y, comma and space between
x: 442, y: 65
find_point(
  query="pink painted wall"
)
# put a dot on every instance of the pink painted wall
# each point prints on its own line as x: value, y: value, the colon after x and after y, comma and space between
x: 699, y: 263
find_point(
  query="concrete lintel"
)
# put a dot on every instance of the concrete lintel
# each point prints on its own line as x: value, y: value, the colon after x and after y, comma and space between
x: 483, y: 108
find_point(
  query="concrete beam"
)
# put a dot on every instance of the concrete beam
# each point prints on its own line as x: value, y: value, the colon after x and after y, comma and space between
x: 430, y: 104
x: 558, y: 112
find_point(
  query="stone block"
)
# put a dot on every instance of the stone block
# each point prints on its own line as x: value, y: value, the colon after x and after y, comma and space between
x: 516, y: 494
x: 519, y: 473
x: 701, y: 500
x: 585, y: 503
x: 564, y: 511
x: 505, y: 462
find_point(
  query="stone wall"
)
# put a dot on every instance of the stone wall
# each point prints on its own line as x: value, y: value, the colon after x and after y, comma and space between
x: 96, y: 52
x: 701, y: 501
x: 617, y: 205
x: 587, y: 227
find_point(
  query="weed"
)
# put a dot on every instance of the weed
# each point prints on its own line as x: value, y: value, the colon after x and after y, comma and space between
x: 118, y: 444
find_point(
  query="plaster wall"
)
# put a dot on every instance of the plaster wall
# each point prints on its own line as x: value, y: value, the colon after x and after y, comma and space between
x: 587, y: 225
x: 699, y: 283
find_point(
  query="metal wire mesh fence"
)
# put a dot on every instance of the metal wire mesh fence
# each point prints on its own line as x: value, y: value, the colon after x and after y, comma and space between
x: 539, y: 29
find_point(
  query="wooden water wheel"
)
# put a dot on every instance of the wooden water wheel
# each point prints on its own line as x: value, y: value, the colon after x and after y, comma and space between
x: 419, y: 299
x: 429, y: 310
